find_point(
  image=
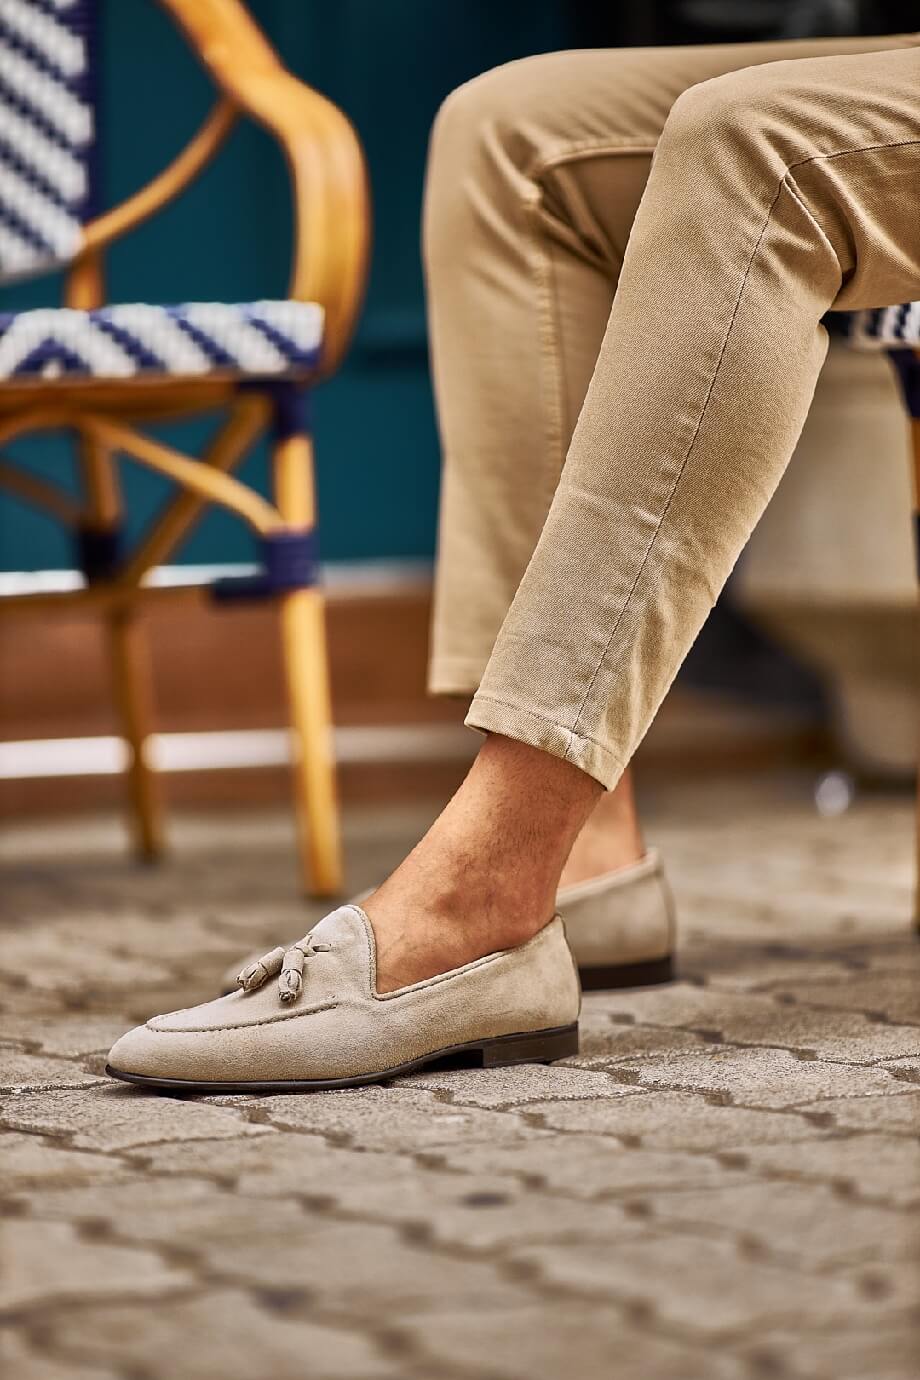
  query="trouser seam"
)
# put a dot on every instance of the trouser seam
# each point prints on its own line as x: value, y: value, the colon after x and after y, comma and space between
x: 572, y: 153
x: 792, y: 189
x: 784, y: 181
x: 664, y: 512
x: 845, y: 153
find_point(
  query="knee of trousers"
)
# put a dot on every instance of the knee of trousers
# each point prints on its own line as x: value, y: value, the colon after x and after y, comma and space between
x: 730, y: 144
x: 499, y: 105
x: 729, y: 117
x: 471, y: 159
x: 757, y: 122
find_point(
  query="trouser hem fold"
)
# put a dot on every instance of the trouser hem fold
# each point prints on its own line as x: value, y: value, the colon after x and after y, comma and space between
x: 525, y: 726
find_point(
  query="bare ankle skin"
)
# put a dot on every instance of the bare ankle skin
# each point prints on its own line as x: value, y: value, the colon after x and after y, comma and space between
x: 485, y: 875
x: 611, y: 837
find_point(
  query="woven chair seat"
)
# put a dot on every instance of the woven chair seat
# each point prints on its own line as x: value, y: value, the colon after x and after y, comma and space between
x: 886, y: 328
x: 267, y: 339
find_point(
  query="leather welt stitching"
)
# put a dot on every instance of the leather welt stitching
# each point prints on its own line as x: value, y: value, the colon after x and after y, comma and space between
x: 426, y: 983
x: 244, y: 1025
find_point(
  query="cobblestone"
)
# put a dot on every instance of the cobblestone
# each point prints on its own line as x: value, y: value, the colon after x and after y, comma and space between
x: 899, y: 1115
x: 368, y: 1271
x: 677, y: 1121
x: 31, y: 1161
x: 495, y: 1214
x: 109, y: 1118
x: 605, y: 1042
x: 764, y: 1077
x: 690, y: 1283
x: 722, y: 1185
x: 844, y: 1354
x: 21, y: 1070
x: 391, y: 1118
x: 18, y: 1358
x: 560, y: 1338
x: 874, y: 1168
x: 512, y: 1087
x: 772, y: 1019
x: 802, y: 1226
x: 597, y: 1167
x: 69, y: 1036
x: 892, y: 997
x: 46, y: 1263
x: 225, y: 1328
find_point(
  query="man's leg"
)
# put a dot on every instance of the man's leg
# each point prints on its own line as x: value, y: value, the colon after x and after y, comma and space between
x: 777, y: 192
x: 535, y: 175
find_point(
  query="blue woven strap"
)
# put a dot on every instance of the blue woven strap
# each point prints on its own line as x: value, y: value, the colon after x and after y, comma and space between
x: 98, y: 551
x: 290, y: 560
x: 292, y: 405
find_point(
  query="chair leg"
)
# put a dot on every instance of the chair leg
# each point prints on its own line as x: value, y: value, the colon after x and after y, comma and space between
x: 303, y: 634
x: 306, y: 666
x: 130, y: 668
x: 132, y: 686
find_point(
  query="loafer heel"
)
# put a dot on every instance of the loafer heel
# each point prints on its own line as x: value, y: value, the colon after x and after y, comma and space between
x: 620, y: 927
x: 613, y: 976
x: 538, y: 1047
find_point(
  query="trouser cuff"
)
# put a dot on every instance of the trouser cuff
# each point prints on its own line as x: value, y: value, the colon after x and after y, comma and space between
x: 511, y: 721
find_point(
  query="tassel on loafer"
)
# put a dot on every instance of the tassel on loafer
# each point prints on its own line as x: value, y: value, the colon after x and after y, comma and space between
x: 310, y: 1017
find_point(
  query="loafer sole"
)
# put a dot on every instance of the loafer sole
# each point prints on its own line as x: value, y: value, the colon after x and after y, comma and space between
x: 612, y: 976
x: 532, y: 1047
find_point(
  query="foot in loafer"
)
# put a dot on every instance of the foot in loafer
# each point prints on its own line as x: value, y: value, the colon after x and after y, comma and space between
x: 458, y: 951
x: 620, y: 927
x: 613, y: 898
x: 313, y: 1017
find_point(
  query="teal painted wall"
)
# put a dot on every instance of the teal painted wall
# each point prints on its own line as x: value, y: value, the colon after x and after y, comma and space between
x: 388, y: 63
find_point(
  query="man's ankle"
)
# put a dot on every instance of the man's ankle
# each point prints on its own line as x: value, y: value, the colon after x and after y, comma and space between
x: 470, y: 904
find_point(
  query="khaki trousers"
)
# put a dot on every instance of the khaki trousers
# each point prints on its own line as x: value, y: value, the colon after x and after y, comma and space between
x: 603, y: 467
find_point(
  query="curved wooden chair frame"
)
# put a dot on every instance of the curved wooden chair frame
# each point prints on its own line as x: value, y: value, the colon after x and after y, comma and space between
x: 331, y: 242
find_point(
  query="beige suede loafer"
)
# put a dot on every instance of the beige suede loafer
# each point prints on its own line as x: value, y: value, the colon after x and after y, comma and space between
x: 620, y: 928
x: 323, y: 1024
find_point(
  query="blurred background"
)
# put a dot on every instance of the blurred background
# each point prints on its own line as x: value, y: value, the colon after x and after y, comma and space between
x: 809, y: 656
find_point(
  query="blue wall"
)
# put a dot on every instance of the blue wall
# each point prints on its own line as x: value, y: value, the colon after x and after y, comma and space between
x: 388, y: 63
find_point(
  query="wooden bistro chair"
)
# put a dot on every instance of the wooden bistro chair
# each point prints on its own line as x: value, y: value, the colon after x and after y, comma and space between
x: 897, y: 331
x: 96, y: 371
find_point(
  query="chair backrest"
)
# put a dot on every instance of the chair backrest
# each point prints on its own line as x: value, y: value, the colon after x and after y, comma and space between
x: 48, y: 213
x: 47, y: 132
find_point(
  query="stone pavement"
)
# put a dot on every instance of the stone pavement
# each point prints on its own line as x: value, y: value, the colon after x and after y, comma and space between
x: 723, y: 1184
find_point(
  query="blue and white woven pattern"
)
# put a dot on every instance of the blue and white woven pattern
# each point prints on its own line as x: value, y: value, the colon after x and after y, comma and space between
x: 46, y: 132
x: 256, y: 338
x: 886, y: 328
